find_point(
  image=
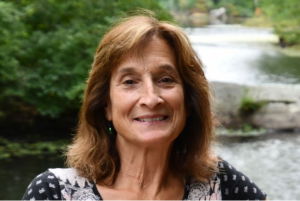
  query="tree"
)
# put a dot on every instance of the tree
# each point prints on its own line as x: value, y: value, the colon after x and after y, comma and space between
x: 285, y: 16
x: 47, y: 48
x: 12, y: 34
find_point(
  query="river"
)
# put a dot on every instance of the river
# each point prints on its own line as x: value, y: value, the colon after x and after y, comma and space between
x: 243, y: 55
x: 271, y: 161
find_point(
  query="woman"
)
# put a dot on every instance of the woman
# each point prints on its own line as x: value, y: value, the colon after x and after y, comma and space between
x: 146, y: 125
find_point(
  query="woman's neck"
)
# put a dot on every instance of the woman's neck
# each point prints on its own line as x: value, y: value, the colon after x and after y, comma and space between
x: 145, y: 170
x: 144, y: 174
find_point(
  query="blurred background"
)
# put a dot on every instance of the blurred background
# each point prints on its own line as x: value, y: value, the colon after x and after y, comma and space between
x: 251, y: 55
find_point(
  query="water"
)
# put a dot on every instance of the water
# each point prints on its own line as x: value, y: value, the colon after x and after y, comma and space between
x: 243, y: 55
x: 229, y: 30
x: 271, y: 161
x: 16, y: 174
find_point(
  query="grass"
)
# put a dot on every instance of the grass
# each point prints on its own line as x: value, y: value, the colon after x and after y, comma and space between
x: 250, y: 106
x: 261, y: 21
x: 245, y: 131
x: 9, y: 149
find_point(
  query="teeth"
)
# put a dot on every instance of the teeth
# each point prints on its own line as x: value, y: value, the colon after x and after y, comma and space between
x: 151, y: 119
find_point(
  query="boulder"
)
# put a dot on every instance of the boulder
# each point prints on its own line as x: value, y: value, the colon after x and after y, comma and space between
x: 218, y: 16
x: 281, y: 108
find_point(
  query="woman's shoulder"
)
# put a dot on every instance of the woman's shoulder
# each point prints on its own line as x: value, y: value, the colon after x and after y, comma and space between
x: 236, y: 185
x: 207, y: 190
x: 226, y: 184
x: 43, y: 186
x: 69, y: 176
x: 73, y: 186
x: 61, y: 184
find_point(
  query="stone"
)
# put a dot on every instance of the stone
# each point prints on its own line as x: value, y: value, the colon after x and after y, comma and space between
x: 281, y: 109
x: 226, y: 102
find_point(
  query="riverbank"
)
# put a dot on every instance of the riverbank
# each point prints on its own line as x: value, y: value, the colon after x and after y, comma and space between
x: 270, y: 106
x: 11, y: 149
x: 291, y: 51
x: 255, y: 23
x: 263, y: 22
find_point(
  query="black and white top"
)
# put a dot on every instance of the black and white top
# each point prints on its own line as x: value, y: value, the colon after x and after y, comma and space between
x: 65, y: 184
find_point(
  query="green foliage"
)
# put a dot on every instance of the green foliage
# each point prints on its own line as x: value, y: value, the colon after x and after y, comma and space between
x: 249, y: 106
x: 286, y: 18
x: 10, y: 149
x: 12, y: 34
x: 200, y: 6
x: 246, y: 130
x: 185, y: 6
x: 47, y: 47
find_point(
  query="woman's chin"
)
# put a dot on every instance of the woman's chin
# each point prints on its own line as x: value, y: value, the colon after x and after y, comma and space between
x: 152, y: 139
x: 156, y: 142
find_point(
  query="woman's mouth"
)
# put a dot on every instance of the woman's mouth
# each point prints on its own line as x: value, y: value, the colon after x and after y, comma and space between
x: 151, y: 119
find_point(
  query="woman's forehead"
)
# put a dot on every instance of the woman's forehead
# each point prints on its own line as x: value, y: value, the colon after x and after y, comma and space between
x: 156, y: 53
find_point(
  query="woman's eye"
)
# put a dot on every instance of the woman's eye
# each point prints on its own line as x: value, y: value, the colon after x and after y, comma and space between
x: 166, y: 80
x: 129, y: 82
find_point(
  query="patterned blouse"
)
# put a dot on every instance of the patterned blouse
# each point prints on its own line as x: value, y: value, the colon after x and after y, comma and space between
x: 65, y: 184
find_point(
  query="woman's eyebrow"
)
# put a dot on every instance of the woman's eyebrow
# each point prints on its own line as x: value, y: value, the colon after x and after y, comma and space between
x: 126, y: 70
x: 167, y: 67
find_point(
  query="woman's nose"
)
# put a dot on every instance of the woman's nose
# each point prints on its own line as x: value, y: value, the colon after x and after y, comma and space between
x: 150, y: 96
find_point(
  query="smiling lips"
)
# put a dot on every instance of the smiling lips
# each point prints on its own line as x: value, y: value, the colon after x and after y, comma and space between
x: 151, y: 119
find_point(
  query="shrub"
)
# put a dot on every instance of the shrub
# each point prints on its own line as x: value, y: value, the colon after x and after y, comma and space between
x: 47, y: 47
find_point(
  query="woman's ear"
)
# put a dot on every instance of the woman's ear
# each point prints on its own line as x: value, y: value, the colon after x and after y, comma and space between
x: 108, y: 112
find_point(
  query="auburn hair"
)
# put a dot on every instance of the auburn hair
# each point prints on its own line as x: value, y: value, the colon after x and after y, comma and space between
x: 93, y: 152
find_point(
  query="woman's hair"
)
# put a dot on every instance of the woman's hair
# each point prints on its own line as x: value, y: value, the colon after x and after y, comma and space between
x: 93, y: 152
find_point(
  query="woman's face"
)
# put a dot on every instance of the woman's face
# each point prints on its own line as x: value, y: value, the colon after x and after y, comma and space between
x: 147, y: 98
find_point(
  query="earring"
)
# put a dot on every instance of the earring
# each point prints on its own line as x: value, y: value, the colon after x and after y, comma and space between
x: 110, y: 127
